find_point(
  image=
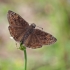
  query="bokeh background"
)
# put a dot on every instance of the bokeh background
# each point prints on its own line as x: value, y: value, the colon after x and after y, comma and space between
x: 54, y: 17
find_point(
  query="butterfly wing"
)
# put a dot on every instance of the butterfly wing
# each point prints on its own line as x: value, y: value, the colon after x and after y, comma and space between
x: 16, y: 20
x: 39, y: 38
x: 16, y: 32
x: 33, y: 42
x: 17, y: 25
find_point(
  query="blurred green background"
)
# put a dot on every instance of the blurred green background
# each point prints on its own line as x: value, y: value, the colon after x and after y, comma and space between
x: 54, y: 17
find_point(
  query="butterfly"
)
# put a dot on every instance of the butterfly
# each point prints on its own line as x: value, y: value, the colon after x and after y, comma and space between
x: 21, y: 31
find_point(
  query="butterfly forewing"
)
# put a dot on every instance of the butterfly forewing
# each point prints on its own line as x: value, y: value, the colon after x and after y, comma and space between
x: 44, y: 37
x: 16, y: 20
x: 17, y: 25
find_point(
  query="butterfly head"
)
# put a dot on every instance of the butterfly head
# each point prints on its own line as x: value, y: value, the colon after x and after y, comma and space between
x: 33, y: 25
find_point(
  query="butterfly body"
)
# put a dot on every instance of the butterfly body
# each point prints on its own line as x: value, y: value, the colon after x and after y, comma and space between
x: 21, y: 31
x: 28, y: 32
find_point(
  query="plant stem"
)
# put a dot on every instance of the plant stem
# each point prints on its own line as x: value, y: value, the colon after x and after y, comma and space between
x: 25, y: 54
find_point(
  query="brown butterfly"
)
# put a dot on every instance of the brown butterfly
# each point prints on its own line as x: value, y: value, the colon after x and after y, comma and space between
x: 21, y: 31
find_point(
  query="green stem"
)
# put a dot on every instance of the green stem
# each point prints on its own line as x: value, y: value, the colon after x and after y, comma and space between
x: 25, y: 54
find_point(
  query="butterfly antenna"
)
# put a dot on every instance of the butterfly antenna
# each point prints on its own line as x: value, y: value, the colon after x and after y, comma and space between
x: 40, y: 27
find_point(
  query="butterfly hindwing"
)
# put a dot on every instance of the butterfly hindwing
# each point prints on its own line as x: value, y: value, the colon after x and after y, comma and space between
x: 16, y: 32
x: 33, y: 41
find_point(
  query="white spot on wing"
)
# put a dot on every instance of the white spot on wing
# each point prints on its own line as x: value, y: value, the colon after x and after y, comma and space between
x: 11, y: 37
